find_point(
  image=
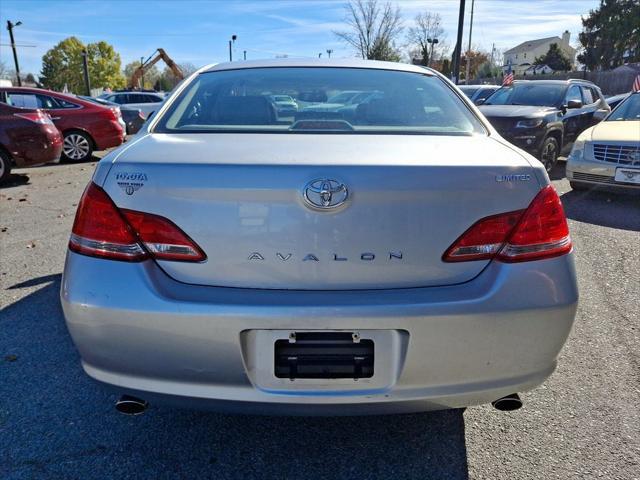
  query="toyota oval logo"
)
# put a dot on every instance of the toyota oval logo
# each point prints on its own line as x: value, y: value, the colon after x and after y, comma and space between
x: 325, y: 194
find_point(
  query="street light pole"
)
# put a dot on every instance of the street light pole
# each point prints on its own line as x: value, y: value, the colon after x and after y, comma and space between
x: 85, y: 69
x: 13, y: 47
x: 329, y: 52
x: 231, y: 42
x: 456, y: 54
x: 431, y: 41
x: 142, y: 75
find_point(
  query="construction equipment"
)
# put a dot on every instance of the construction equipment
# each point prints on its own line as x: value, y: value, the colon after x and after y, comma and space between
x: 151, y: 61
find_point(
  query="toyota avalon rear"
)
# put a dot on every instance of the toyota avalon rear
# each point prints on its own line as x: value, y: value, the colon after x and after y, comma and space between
x: 392, y: 257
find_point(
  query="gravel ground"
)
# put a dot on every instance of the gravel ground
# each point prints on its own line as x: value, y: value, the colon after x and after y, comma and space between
x: 584, y: 422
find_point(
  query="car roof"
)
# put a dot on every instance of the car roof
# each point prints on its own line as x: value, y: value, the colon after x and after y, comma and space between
x: 559, y: 82
x: 310, y: 62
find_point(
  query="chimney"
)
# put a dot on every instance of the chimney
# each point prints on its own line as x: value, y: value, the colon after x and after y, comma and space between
x: 565, y: 37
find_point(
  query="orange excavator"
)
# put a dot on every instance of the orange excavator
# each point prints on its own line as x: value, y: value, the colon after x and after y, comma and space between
x: 158, y: 55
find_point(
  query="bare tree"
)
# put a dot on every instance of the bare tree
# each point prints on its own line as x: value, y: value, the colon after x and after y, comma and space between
x: 373, y: 29
x: 428, y: 26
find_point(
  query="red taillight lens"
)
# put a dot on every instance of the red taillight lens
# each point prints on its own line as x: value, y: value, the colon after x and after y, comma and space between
x: 36, y: 117
x: 540, y: 231
x: 162, y: 238
x: 102, y: 230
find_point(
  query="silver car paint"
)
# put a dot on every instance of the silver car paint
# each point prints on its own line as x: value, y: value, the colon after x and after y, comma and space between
x: 491, y: 330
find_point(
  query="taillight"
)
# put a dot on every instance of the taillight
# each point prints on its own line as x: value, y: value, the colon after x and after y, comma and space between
x: 102, y: 230
x: 540, y: 231
x: 38, y: 116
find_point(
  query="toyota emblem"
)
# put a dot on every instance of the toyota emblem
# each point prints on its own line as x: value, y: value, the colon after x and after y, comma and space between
x: 325, y: 194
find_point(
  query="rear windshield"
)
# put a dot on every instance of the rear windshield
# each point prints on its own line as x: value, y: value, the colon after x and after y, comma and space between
x: 340, y: 100
x: 539, y: 95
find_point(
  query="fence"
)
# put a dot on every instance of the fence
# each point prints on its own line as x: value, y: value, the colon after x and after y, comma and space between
x: 611, y: 83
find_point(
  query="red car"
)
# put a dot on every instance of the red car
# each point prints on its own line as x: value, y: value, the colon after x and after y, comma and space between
x: 27, y: 137
x: 84, y: 125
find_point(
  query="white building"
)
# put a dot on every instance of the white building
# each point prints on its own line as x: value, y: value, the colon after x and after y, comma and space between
x: 522, y: 56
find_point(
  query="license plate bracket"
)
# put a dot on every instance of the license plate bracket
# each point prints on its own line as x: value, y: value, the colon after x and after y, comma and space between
x: 628, y: 175
x: 324, y: 355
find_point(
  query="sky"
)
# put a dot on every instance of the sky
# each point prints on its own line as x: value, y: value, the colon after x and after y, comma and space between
x: 198, y: 31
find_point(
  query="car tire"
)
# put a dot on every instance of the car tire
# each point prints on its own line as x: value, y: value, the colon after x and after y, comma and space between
x: 578, y: 186
x: 5, y: 166
x: 549, y: 153
x: 77, y: 146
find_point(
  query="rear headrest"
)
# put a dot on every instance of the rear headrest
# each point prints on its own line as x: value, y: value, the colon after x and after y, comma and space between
x: 251, y: 110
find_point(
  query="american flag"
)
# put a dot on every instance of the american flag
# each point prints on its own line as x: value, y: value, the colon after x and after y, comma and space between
x: 508, y: 78
x: 636, y: 84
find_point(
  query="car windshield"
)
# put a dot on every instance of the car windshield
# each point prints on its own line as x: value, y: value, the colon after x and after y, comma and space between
x: 342, y: 100
x: 535, y: 94
x: 627, y: 110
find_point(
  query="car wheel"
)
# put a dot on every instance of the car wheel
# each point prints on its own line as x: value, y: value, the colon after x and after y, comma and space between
x: 549, y: 153
x: 77, y: 146
x: 5, y: 166
x: 578, y: 186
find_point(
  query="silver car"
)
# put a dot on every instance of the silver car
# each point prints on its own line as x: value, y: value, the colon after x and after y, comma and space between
x: 146, y: 102
x: 404, y: 260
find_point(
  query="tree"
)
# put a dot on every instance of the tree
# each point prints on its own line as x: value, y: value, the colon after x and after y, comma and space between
x: 476, y: 58
x: 611, y: 34
x: 427, y: 27
x: 373, y: 29
x: 62, y: 65
x: 104, y: 66
x: 555, y: 59
x: 446, y: 67
x: 4, y: 71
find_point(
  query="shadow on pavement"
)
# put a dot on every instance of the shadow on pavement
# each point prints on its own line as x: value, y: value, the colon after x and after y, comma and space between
x: 15, y: 180
x: 62, y: 425
x: 608, y: 208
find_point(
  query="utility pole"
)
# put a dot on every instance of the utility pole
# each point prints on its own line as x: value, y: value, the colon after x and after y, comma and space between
x: 142, y: 76
x: 13, y: 47
x: 456, y: 53
x: 493, y: 49
x: 329, y: 52
x: 466, y: 77
x: 85, y: 69
x: 245, y: 54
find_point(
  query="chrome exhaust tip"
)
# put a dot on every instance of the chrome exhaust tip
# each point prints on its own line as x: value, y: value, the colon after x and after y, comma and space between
x: 128, y: 405
x: 508, y: 403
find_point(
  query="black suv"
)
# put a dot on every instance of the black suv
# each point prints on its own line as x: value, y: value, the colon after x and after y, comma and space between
x: 544, y: 117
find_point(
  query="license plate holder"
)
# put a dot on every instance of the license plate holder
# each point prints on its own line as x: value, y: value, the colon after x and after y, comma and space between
x: 325, y: 355
x: 628, y: 175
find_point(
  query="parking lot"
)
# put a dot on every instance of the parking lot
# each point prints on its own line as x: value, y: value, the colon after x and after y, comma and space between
x: 56, y: 423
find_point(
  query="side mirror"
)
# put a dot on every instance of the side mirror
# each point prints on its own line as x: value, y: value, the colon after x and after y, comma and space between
x: 479, y: 101
x: 574, y: 104
x: 599, y: 115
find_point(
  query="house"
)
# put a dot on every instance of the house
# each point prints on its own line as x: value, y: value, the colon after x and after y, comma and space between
x: 521, y: 57
x: 538, y: 70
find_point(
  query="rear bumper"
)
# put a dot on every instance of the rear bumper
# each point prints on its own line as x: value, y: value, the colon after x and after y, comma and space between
x: 146, y: 334
x: 111, y: 135
x: 40, y: 148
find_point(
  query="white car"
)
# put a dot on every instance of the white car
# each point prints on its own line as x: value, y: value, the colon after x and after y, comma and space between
x: 609, y: 152
x: 146, y: 102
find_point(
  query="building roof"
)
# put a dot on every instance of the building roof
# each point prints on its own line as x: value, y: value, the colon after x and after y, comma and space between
x: 531, y: 44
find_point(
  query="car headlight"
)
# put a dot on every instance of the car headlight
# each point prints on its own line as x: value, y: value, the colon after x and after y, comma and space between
x: 578, y: 149
x: 529, y: 123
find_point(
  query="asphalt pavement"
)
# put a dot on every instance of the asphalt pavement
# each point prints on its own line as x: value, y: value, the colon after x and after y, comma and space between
x: 583, y: 423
